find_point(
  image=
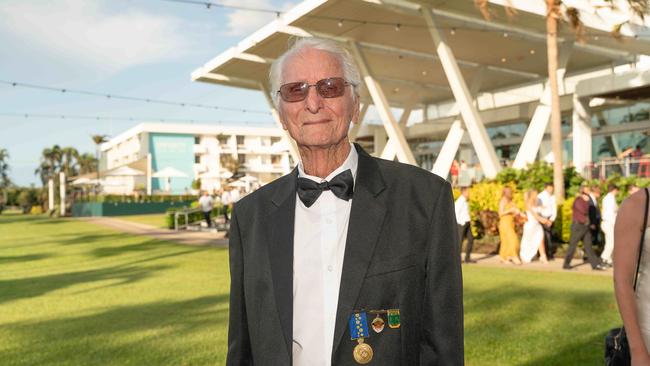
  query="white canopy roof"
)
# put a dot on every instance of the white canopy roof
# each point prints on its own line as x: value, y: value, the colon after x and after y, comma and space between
x: 393, y: 36
x: 169, y: 172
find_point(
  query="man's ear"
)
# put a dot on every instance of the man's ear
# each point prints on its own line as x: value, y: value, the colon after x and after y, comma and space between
x: 355, y: 112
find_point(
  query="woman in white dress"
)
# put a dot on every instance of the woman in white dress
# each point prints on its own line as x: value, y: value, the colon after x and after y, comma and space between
x: 532, y: 241
x: 634, y: 307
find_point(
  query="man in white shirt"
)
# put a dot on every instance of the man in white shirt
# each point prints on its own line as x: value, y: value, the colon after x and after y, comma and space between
x: 548, y: 211
x: 225, y: 202
x: 610, y: 209
x: 205, y: 202
x: 349, y: 259
x: 461, y: 206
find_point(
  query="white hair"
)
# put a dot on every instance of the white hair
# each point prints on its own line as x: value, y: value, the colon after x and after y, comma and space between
x: 350, y: 71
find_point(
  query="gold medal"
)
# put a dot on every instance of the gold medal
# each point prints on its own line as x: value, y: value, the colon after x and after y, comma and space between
x: 362, y: 352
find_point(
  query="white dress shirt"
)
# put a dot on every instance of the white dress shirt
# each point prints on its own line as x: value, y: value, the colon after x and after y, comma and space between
x: 610, y: 208
x: 548, y: 205
x: 319, y: 246
x: 462, y: 210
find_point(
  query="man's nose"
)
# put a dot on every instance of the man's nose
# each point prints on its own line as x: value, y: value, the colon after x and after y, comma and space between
x: 313, y: 102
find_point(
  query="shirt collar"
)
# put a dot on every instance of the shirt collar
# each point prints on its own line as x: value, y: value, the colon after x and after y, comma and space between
x: 351, y: 162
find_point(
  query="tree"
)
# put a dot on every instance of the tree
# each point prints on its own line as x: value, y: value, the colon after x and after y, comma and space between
x: 86, y: 163
x: 4, y: 169
x: 556, y: 11
x: 50, y: 165
x: 98, y: 140
x: 69, y: 165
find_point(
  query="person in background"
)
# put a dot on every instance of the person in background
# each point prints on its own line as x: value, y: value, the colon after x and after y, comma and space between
x: 636, y: 154
x: 454, y: 171
x: 206, y: 204
x: 594, y: 214
x: 610, y: 209
x: 548, y: 210
x: 634, y: 307
x: 226, y: 202
x: 532, y: 241
x: 509, y: 246
x: 580, y: 231
x: 464, y: 221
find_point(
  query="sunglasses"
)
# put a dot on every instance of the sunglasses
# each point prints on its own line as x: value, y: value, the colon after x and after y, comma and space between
x: 326, y: 88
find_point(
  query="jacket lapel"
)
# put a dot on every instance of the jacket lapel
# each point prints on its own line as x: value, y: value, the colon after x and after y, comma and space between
x: 366, y: 216
x: 281, y: 221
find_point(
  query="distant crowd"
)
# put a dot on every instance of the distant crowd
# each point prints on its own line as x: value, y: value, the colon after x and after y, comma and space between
x: 592, y: 223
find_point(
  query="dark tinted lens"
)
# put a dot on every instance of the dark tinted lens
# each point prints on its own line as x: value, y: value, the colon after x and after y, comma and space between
x: 294, y: 92
x: 331, y: 88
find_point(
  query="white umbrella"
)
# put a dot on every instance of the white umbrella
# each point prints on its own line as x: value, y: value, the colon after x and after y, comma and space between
x: 217, y: 175
x: 124, y: 171
x: 80, y: 181
x: 168, y: 173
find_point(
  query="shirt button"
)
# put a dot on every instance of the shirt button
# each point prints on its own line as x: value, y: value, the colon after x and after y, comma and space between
x: 330, y: 268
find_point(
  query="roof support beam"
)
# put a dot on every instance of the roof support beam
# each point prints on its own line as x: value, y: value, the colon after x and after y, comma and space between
x: 293, y: 148
x: 542, y: 115
x: 448, y: 151
x: 220, y: 77
x: 403, y: 151
x: 354, y: 130
x: 581, y: 133
x: 482, y: 144
x: 389, y: 150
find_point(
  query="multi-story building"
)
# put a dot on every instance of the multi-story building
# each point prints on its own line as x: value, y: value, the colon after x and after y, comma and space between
x: 209, y: 153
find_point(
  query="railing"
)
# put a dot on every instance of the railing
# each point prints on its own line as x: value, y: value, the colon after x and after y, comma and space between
x: 625, y: 167
x: 186, y: 213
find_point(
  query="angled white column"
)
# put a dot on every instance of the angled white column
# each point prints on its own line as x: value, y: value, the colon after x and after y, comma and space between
x: 50, y: 195
x: 62, y: 192
x: 354, y: 130
x: 293, y: 148
x: 389, y: 150
x: 581, y: 133
x: 542, y: 115
x: 379, y: 140
x: 403, y: 151
x: 609, y: 139
x: 477, y: 133
x: 449, y: 148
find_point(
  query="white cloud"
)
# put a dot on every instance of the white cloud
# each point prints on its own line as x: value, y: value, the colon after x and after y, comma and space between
x: 245, y: 22
x: 86, y: 33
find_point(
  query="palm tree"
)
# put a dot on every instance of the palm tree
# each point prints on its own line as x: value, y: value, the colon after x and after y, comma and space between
x: 51, y: 159
x: 4, y: 169
x: 554, y: 15
x: 86, y: 163
x: 69, y: 165
x: 98, y: 140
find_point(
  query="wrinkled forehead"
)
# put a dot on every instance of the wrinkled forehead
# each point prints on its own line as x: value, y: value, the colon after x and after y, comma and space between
x: 311, y: 65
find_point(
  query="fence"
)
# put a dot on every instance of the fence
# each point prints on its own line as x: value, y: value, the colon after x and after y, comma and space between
x: 625, y: 167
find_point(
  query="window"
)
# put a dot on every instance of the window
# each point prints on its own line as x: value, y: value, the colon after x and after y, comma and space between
x: 240, y: 140
x: 197, y: 140
x: 197, y: 159
x: 276, y: 159
x: 275, y: 140
x: 223, y: 139
x: 241, y: 159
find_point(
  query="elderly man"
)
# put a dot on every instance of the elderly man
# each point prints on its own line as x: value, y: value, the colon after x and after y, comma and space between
x: 348, y: 259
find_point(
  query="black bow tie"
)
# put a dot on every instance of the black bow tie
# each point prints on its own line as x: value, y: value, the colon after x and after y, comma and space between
x: 341, y: 185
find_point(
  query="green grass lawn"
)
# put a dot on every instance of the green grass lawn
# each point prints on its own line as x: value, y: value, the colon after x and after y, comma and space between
x: 157, y: 220
x: 72, y: 293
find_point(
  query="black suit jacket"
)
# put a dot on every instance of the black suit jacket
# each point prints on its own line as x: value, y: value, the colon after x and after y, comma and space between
x: 594, y: 213
x: 402, y: 252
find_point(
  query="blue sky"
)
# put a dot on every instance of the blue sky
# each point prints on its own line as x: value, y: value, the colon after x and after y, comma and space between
x: 141, y: 48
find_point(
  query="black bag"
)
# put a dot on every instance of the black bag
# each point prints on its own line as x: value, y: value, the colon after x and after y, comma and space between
x: 617, y: 349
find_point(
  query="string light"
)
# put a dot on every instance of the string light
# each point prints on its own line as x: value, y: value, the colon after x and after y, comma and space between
x: 132, y: 99
x: 452, y: 31
x: 397, y: 27
x: 340, y: 23
x: 129, y: 119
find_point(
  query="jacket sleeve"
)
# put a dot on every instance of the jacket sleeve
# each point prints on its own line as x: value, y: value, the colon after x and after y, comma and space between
x: 239, y: 348
x: 442, y: 342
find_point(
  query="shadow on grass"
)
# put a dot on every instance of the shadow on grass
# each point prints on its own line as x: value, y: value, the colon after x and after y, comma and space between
x: 154, y: 333
x: 21, y: 288
x: 24, y: 258
x: 512, y: 325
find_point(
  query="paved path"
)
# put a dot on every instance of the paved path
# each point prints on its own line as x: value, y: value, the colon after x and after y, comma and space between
x: 217, y: 239
x: 209, y: 238
x: 490, y: 260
